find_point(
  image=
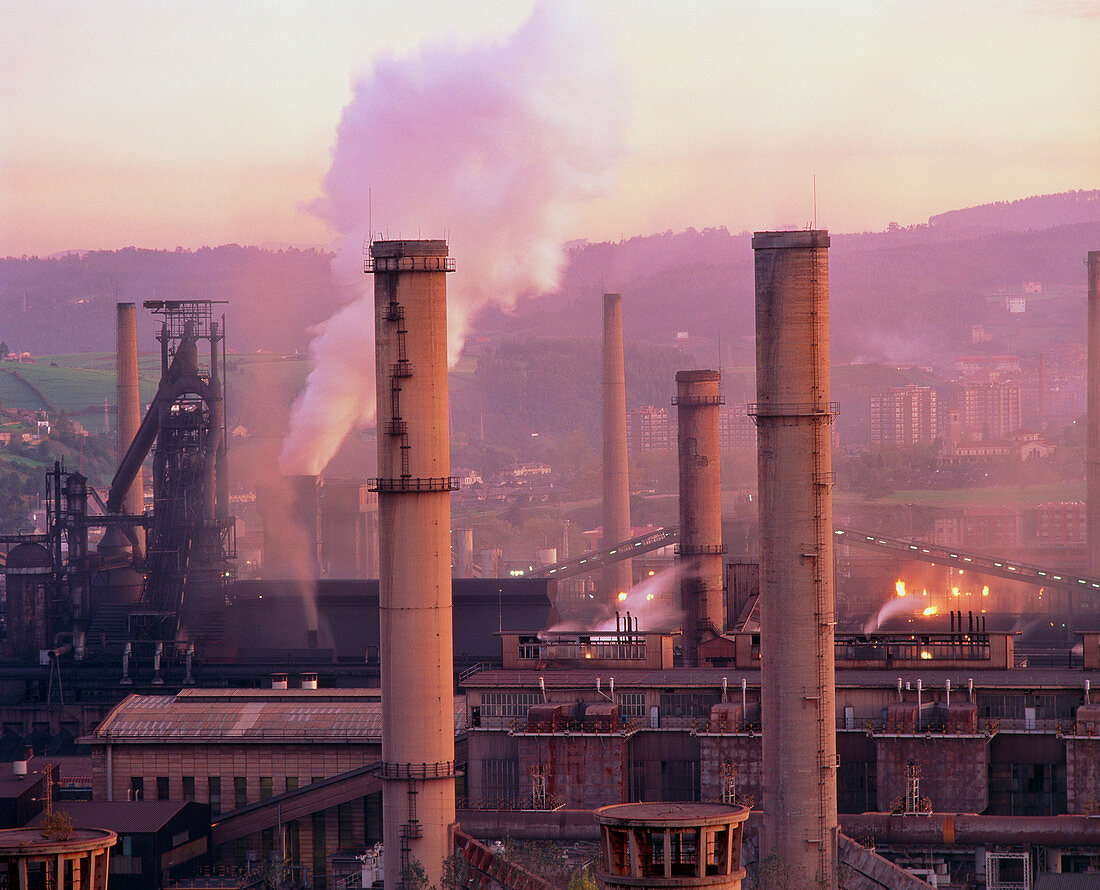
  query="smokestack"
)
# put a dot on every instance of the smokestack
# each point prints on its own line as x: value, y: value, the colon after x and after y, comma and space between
x: 700, y: 549
x: 464, y: 552
x: 794, y: 423
x: 414, y: 521
x: 129, y: 407
x: 617, y: 577
x: 1092, y: 523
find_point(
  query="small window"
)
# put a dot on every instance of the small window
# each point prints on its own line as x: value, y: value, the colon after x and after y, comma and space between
x: 214, y: 783
x: 240, y: 791
x: 127, y: 845
x: 267, y: 788
x: 162, y: 788
x: 188, y: 787
x: 137, y: 788
x: 291, y: 783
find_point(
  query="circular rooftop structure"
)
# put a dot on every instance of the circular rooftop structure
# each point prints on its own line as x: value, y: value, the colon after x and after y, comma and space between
x: 671, y: 844
x: 74, y: 859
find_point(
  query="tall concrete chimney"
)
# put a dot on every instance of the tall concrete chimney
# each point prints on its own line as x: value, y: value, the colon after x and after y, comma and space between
x: 129, y: 407
x: 617, y: 577
x: 700, y: 549
x: 414, y: 544
x: 794, y: 420
x: 1092, y: 452
x: 464, y: 552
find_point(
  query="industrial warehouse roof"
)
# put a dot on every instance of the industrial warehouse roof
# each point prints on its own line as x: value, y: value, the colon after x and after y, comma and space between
x: 251, y: 716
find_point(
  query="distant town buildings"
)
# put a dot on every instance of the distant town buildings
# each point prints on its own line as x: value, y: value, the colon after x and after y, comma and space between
x: 1061, y: 522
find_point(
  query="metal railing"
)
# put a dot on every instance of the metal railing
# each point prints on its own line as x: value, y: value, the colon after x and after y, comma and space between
x: 442, y: 769
x: 541, y: 802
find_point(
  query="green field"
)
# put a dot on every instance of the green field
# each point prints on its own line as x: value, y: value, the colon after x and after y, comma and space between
x: 1005, y: 495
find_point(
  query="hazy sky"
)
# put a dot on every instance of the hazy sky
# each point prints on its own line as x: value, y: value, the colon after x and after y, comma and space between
x: 170, y: 123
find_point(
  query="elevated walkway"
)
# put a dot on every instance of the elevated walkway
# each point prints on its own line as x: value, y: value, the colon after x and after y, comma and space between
x: 968, y: 560
x: 594, y: 560
x: 299, y: 804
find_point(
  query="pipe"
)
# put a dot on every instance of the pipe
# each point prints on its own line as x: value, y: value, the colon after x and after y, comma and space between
x: 968, y: 829
x: 948, y: 686
x: 970, y: 690
x: 542, y: 689
x: 901, y: 696
x: 725, y: 687
x: 129, y: 409
x: 744, y: 699
x: 126, y: 652
x: 919, y: 702
x: 601, y: 692
x: 189, y: 655
x: 158, y: 653
x: 1088, y: 685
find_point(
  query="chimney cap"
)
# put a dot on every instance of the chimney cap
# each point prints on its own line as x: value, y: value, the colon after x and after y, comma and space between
x: 698, y: 376
x: 435, y: 247
x: 797, y: 239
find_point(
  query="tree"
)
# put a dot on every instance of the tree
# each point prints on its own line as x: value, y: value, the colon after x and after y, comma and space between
x: 4, y: 351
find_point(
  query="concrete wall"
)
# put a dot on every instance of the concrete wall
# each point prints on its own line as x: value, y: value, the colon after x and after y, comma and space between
x: 201, y: 761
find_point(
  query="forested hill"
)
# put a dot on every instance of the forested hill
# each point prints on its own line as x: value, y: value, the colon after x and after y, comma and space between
x: 1038, y: 212
x: 67, y: 303
x: 904, y: 294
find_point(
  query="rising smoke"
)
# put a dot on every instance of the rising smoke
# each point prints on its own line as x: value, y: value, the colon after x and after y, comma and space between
x: 494, y: 147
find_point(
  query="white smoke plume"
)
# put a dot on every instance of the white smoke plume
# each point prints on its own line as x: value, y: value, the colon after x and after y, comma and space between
x: 493, y: 147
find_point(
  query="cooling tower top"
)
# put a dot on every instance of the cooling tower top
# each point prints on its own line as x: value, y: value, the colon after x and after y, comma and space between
x: 435, y: 247
x: 700, y: 376
x: 797, y: 239
x: 407, y: 256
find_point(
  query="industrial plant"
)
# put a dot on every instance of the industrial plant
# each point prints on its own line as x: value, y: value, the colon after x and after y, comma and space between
x: 379, y: 703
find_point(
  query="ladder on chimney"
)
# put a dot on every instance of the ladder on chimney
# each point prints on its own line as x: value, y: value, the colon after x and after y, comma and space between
x: 399, y: 370
x: 821, y: 417
x: 411, y: 830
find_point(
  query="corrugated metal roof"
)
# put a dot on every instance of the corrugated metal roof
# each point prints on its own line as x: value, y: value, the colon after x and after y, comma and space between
x: 251, y: 717
x: 1068, y: 882
x: 121, y: 816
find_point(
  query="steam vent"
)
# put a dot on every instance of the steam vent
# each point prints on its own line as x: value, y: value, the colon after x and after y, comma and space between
x: 414, y: 543
x: 794, y: 423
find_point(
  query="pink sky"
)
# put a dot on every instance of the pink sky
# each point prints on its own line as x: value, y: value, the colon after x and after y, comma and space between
x: 182, y: 124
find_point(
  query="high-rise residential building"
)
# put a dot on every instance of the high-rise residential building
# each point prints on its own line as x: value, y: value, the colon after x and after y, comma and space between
x: 988, y: 410
x: 735, y: 427
x: 904, y: 415
x: 649, y: 429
